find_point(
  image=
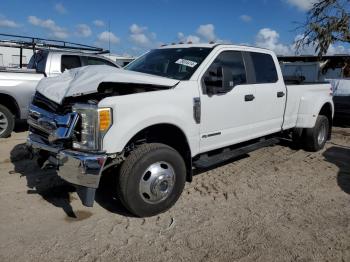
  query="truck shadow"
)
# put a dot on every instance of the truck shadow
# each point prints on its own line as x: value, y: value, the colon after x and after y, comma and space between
x: 20, y: 126
x: 44, y: 182
x: 340, y: 156
x: 106, y: 194
x: 52, y: 188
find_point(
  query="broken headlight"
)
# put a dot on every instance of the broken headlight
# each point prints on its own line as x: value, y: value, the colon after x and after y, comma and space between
x: 93, y: 124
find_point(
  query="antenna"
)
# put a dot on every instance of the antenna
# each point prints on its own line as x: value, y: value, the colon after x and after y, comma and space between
x: 109, y: 36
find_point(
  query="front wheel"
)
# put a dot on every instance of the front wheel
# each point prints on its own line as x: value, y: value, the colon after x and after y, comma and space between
x: 316, y: 137
x: 7, y: 122
x: 151, y: 179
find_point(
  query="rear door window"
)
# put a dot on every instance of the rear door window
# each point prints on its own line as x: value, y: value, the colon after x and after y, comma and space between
x: 69, y: 62
x: 98, y: 61
x: 264, y: 67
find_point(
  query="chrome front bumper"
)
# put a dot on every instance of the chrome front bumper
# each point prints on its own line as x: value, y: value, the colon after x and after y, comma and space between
x: 78, y: 168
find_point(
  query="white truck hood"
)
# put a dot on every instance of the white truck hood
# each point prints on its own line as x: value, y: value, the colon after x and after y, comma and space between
x: 85, y: 80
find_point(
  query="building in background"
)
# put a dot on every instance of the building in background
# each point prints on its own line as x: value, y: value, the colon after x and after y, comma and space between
x: 10, y: 57
x: 120, y: 60
x: 314, y: 68
x: 333, y: 68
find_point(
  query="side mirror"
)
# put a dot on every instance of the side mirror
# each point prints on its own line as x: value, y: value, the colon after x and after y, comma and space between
x: 214, y: 81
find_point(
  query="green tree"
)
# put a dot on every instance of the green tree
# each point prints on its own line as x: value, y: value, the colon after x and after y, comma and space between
x: 327, y: 22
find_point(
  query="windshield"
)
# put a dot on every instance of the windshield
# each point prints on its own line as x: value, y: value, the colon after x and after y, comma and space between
x: 176, y: 63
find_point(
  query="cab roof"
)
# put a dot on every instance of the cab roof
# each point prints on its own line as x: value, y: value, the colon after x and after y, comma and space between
x: 213, y: 45
x: 188, y: 45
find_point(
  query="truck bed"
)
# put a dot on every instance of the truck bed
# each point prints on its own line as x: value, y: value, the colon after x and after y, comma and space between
x: 18, y: 70
x: 301, y: 97
x: 291, y: 80
x: 19, y: 75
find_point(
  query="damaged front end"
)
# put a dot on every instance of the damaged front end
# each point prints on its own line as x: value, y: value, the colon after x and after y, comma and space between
x: 67, y: 137
x: 66, y: 126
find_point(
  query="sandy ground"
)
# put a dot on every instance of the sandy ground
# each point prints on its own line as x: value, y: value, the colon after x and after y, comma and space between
x: 277, y: 204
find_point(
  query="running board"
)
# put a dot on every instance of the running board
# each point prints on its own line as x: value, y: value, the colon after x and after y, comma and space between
x: 206, y: 161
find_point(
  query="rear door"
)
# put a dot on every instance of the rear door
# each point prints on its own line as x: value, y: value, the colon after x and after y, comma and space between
x: 270, y: 93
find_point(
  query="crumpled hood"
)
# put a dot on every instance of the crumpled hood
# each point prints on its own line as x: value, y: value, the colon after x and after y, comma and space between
x: 85, y: 80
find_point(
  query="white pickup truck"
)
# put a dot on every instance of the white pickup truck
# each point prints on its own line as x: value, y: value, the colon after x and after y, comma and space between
x: 17, y: 86
x: 173, y: 109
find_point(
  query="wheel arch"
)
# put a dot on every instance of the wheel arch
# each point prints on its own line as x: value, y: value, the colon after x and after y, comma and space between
x: 11, y: 103
x: 168, y: 134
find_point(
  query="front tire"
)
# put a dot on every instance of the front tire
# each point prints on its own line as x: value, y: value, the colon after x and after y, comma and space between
x: 7, y: 122
x: 316, y: 137
x: 151, y: 179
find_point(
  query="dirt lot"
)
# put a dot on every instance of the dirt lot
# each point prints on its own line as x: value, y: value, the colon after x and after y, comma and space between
x: 277, y: 204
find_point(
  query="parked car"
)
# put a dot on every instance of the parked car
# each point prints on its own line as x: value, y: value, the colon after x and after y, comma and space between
x: 176, y: 108
x: 341, y: 98
x: 17, y: 86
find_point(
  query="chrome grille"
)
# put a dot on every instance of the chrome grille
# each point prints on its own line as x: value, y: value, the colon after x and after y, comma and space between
x: 51, y: 126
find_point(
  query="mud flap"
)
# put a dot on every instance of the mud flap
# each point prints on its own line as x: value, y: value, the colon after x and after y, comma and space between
x: 86, y: 195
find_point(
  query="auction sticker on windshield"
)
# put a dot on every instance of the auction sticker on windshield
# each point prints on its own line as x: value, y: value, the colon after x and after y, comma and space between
x: 185, y: 62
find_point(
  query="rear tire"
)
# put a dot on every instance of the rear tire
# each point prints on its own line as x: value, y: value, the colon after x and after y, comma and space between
x: 7, y: 122
x: 151, y: 179
x: 316, y: 137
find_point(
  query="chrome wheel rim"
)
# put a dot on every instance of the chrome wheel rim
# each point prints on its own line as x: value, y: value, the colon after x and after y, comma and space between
x: 322, y: 134
x: 157, y: 182
x: 4, y: 123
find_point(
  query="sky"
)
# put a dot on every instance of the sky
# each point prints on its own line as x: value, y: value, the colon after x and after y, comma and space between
x: 139, y: 25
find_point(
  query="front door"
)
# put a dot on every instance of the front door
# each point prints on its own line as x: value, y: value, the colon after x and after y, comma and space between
x: 227, y: 103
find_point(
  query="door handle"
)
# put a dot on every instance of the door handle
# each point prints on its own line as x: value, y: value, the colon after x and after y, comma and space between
x: 248, y: 98
x: 280, y: 94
